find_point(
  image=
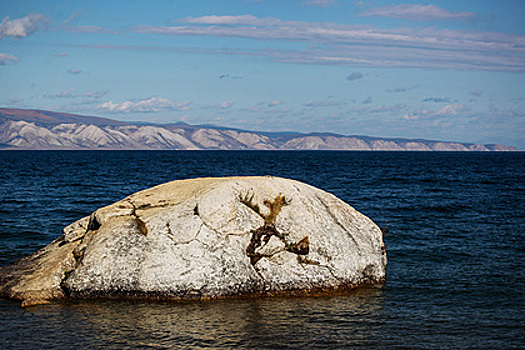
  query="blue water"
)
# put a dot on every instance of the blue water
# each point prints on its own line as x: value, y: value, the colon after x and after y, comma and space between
x: 455, y: 227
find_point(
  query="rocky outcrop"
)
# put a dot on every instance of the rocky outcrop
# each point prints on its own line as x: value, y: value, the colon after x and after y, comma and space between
x: 205, y: 239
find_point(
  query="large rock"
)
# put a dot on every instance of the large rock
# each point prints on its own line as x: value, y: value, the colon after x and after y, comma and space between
x: 206, y: 238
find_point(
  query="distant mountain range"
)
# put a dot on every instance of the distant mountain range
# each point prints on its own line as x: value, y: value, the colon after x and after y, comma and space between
x: 36, y: 130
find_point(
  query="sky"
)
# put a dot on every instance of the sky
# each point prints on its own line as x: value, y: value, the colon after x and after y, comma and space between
x: 440, y: 70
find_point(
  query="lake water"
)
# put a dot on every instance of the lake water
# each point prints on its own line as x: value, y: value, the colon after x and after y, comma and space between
x: 455, y: 242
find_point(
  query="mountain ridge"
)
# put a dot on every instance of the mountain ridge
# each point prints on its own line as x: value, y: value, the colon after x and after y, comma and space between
x: 40, y: 129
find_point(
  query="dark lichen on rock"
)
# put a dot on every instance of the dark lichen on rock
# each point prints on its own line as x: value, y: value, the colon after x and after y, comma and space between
x: 300, y: 248
x: 247, y: 199
x: 266, y: 231
x: 141, y: 226
x: 275, y: 207
x: 93, y: 224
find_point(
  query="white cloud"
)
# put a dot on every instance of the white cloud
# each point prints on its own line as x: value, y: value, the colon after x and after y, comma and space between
x: 70, y: 93
x: 354, y: 76
x: 476, y: 93
x: 355, y: 45
x: 436, y: 99
x: 90, y: 30
x: 389, y: 108
x: 71, y: 18
x: 401, y: 89
x: 95, y: 94
x: 19, y: 102
x: 253, y: 109
x: 22, y: 27
x: 222, y: 106
x: 247, y: 20
x: 410, y: 116
x: 320, y: 3
x: 228, y: 76
x: 367, y: 101
x: 311, y: 103
x: 272, y: 104
x: 92, y: 96
x: 418, y: 12
x: 392, y: 109
x: 74, y: 71
x: 277, y: 111
x: 225, y: 105
x: 153, y: 104
x: 450, y: 110
x: 6, y: 59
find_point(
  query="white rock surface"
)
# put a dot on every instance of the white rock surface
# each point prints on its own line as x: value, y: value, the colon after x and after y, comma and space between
x: 207, y: 238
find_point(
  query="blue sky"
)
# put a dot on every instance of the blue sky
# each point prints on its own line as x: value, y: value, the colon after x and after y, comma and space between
x: 448, y: 70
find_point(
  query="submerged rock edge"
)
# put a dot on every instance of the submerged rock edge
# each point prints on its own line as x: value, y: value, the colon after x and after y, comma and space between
x: 293, y: 263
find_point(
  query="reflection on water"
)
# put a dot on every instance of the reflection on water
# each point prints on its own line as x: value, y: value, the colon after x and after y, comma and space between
x: 292, y: 323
